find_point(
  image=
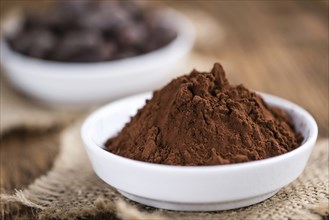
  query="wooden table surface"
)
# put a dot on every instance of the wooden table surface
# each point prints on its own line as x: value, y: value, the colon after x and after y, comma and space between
x: 278, y: 47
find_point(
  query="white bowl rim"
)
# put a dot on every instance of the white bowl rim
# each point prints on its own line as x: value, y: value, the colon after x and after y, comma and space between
x: 307, y: 142
x: 185, y: 36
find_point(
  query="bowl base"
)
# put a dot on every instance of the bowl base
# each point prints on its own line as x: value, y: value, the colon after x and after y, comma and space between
x: 199, y: 206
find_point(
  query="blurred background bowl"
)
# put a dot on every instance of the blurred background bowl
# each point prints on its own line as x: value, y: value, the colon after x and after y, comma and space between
x: 60, y: 84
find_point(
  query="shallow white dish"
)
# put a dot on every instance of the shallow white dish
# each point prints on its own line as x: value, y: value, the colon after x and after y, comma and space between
x: 204, y: 188
x: 81, y: 84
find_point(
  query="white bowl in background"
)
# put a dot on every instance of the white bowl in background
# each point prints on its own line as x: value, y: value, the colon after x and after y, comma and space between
x: 82, y: 84
x: 198, y: 188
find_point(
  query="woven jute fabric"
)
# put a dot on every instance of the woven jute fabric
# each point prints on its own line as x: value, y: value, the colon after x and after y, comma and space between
x: 71, y: 189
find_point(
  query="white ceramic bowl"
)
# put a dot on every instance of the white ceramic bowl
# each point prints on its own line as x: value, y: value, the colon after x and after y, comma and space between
x: 82, y: 84
x: 203, y: 188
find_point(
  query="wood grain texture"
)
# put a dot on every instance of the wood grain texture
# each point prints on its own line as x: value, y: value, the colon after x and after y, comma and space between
x: 25, y: 155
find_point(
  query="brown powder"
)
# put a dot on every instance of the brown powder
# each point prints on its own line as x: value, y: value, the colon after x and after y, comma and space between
x: 200, y: 119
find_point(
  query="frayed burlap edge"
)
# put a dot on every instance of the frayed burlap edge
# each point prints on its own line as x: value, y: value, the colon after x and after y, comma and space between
x: 64, y: 193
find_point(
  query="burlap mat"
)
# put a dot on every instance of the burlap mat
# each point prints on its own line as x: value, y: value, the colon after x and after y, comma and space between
x: 71, y: 189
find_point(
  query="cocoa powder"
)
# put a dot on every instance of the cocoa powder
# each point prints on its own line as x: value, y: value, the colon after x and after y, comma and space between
x: 200, y: 119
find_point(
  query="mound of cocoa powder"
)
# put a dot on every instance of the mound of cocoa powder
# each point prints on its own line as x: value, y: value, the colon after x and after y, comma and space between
x: 200, y: 119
